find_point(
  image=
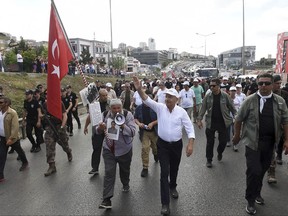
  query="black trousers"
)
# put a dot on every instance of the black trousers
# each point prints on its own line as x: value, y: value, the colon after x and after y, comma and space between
x: 3, y: 153
x: 69, y: 122
x: 97, y: 143
x: 30, y: 125
x: 75, y: 115
x: 257, y: 163
x: 169, y: 157
x: 279, y: 149
x: 210, y: 136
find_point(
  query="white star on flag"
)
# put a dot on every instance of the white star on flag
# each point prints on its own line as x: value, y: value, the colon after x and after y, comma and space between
x: 56, y: 71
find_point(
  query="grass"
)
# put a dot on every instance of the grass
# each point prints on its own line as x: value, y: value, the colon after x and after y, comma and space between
x: 15, y: 84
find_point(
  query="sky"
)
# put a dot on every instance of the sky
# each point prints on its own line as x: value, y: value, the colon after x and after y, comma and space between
x: 173, y: 24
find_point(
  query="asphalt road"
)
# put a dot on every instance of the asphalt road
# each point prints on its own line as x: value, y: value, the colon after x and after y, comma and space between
x: 71, y: 191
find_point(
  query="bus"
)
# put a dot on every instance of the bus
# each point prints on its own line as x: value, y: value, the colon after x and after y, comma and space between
x: 207, y: 72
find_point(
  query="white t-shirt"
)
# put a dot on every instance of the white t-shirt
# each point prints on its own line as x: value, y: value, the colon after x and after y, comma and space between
x: 138, y: 100
x: 161, y: 95
x: 241, y: 97
x: 19, y: 58
x: 187, y: 98
x: 2, y: 132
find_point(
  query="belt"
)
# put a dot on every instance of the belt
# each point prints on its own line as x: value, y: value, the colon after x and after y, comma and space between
x: 174, y: 142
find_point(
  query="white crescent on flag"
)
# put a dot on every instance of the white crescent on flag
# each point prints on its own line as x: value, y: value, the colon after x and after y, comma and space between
x: 56, y: 68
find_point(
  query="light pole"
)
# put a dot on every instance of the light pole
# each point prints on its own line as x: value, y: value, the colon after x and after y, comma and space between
x: 111, y: 30
x: 205, y: 36
x: 243, y: 48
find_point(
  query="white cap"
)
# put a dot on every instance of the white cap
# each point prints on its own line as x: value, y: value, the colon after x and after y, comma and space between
x: 172, y: 92
x: 232, y: 88
x: 186, y: 83
x: 225, y: 78
x: 196, y: 80
x: 108, y: 85
x: 238, y: 86
x: 144, y: 85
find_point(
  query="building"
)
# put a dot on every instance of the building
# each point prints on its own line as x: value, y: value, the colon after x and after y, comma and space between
x: 97, y: 49
x: 143, y: 45
x: 233, y: 58
x: 151, y: 44
x: 282, y: 56
x: 173, y: 54
x: 150, y: 57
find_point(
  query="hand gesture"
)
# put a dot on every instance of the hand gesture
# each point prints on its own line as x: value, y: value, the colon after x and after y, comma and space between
x: 136, y: 82
x: 85, y: 131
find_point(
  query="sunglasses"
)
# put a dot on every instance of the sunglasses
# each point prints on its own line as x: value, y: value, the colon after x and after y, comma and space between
x: 266, y: 83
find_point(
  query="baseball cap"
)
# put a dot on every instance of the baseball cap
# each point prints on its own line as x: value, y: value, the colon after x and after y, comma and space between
x: 238, y: 86
x: 232, y: 88
x: 225, y: 78
x: 29, y: 91
x: 68, y: 87
x: 37, y: 91
x: 186, y: 83
x: 39, y: 86
x: 172, y: 92
x: 108, y: 85
x: 63, y: 89
x: 196, y: 80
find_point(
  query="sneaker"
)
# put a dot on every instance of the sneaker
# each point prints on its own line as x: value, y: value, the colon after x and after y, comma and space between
x: 165, y: 210
x: 126, y: 188
x: 106, y: 204
x: 174, y: 193
x: 209, y: 164
x: 71, y: 134
x: 228, y: 144
x: 69, y: 156
x: 94, y: 172
x: 144, y: 172
x: 23, y: 167
x: 250, y: 209
x: 32, y: 149
x: 235, y: 148
x: 219, y: 157
x: 279, y: 160
x: 259, y: 200
x: 37, y: 149
x: 156, y: 159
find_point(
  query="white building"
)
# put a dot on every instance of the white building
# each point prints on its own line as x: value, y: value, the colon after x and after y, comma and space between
x: 151, y: 44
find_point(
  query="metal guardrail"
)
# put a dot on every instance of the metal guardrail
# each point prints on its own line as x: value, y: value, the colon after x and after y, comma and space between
x: 22, y: 129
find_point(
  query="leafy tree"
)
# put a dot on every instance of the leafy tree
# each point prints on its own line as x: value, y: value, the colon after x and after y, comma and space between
x: 85, y: 56
x: 118, y: 63
x: 23, y: 46
x: 28, y: 59
x: 42, y: 51
x: 10, y: 58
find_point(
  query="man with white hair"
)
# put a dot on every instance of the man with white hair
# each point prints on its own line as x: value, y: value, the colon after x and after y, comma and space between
x: 171, y: 119
x: 111, y: 92
x: 116, y: 151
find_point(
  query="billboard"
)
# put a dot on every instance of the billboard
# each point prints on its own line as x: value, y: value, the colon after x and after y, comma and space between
x: 282, y: 55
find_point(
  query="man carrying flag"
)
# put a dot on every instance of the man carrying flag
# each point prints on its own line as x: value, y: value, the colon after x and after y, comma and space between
x: 59, y: 54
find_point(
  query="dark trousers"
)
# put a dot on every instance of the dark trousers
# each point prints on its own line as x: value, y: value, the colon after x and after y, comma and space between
x: 38, y: 133
x: 3, y: 153
x: 111, y: 161
x: 169, y: 156
x: 75, y: 115
x: 20, y: 66
x: 257, y: 163
x: 69, y: 122
x: 279, y: 149
x: 210, y: 136
x: 97, y: 143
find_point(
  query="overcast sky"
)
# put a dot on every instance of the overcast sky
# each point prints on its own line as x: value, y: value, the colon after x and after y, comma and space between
x: 173, y: 24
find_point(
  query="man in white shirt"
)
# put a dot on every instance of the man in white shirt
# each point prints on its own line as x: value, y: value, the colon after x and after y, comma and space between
x: 239, y: 94
x: 160, y: 96
x: 187, y: 99
x: 171, y: 120
x: 111, y: 92
x: 0, y: 62
x: 137, y: 101
x: 20, y: 61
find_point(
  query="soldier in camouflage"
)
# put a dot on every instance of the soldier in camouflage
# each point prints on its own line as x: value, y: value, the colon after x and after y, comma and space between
x: 55, y: 132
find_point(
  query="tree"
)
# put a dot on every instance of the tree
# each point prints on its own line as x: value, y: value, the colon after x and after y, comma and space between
x: 23, y: 46
x: 85, y: 56
x: 10, y: 58
x: 28, y: 59
x: 42, y: 51
x: 118, y: 63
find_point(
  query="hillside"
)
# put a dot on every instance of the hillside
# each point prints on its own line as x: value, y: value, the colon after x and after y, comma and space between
x: 15, y: 84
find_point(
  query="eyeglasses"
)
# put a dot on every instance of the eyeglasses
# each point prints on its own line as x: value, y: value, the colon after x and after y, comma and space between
x: 266, y: 83
x: 212, y: 86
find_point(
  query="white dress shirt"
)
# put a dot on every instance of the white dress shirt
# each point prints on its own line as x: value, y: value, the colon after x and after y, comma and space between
x: 2, y: 132
x: 170, y: 124
x: 138, y: 100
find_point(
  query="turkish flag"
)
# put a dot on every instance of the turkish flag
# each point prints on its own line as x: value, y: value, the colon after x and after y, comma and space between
x: 59, y: 54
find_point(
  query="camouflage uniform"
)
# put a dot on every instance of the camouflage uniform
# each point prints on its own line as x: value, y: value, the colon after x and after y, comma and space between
x: 50, y: 141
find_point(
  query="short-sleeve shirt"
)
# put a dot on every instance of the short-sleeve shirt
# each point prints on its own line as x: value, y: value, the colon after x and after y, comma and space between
x: 187, y: 98
x: 73, y: 98
x: 66, y: 101
x: 31, y: 109
x: 198, y: 93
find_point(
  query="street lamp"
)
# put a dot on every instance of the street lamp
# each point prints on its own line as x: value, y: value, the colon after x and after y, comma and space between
x: 111, y: 29
x: 205, y: 36
x: 243, y: 48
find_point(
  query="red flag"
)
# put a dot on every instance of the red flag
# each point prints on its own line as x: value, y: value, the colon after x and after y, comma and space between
x: 59, y: 54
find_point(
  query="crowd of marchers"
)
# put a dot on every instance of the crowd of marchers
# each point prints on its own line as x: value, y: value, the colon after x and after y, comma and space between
x: 251, y: 111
